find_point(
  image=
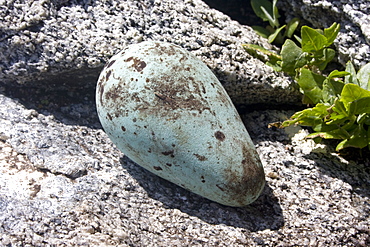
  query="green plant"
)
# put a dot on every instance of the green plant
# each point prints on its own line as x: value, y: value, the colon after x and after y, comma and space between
x: 268, y: 11
x: 342, y: 109
x: 341, y: 99
x: 314, y: 53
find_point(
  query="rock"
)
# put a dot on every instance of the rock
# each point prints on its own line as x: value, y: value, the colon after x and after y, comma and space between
x: 353, y: 41
x: 63, y: 182
x: 309, y: 198
x: 65, y: 44
x: 167, y: 111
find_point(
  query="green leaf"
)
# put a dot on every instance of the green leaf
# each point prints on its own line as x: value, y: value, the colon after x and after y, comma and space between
x: 352, y: 77
x: 337, y: 86
x: 273, y: 60
x: 298, y: 39
x: 292, y: 57
x: 337, y: 74
x: 291, y: 27
x: 358, y: 139
x: 273, y: 36
x: 273, y: 22
x: 308, y: 117
x: 360, y: 106
x: 311, y: 84
x: 328, y: 92
x: 323, y: 57
x: 334, y: 134
x: 352, y: 92
x: 257, y: 6
x: 341, y: 145
x: 331, y: 90
x: 275, y: 12
x: 312, y: 40
x: 325, y: 127
x: 339, y: 110
x: 254, y: 49
x: 275, y: 66
x: 363, y: 118
x: 261, y: 31
x: 363, y: 76
x: 331, y: 33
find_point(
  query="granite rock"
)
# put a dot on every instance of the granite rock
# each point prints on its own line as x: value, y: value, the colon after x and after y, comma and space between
x: 57, y: 44
x: 63, y: 183
x: 353, y: 41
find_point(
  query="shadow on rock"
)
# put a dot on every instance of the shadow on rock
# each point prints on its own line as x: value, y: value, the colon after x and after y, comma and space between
x: 265, y: 213
x: 238, y: 10
x: 69, y: 105
x: 354, y: 171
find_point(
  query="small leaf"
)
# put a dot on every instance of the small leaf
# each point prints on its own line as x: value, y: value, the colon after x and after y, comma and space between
x: 341, y: 145
x: 331, y: 33
x: 363, y: 76
x: 337, y: 74
x: 257, y: 6
x: 328, y: 92
x: 275, y: 65
x: 312, y: 40
x: 261, y: 31
x: 324, y: 127
x: 335, y: 134
x: 352, y: 92
x: 275, y: 12
x: 253, y: 49
x: 298, y: 39
x: 291, y: 27
x: 323, y: 57
x: 352, y: 77
x: 273, y: 22
x: 360, y: 106
x: 311, y: 84
x: 308, y: 117
x: 363, y: 118
x: 339, y: 110
x: 273, y: 36
x: 306, y: 100
x: 331, y: 90
x: 292, y: 57
x: 358, y: 139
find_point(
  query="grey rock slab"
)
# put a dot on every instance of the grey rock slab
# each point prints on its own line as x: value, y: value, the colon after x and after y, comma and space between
x: 312, y: 196
x: 353, y: 41
x: 66, y: 43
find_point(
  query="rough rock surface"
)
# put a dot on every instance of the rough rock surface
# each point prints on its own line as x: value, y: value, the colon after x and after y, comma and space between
x: 353, y: 41
x: 68, y: 42
x: 63, y: 183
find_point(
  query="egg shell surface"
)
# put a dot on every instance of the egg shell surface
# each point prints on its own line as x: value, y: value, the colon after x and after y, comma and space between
x: 166, y: 110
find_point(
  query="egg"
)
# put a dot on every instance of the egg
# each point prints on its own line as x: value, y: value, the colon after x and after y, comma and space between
x: 166, y: 110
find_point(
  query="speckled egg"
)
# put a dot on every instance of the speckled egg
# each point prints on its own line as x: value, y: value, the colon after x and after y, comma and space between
x: 167, y: 111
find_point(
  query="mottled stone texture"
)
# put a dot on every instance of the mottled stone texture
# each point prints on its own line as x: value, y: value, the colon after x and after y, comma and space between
x: 68, y: 42
x: 64, y: 183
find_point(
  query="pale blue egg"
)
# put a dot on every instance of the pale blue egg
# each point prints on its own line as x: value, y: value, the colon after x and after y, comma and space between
x: 167, y: 111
